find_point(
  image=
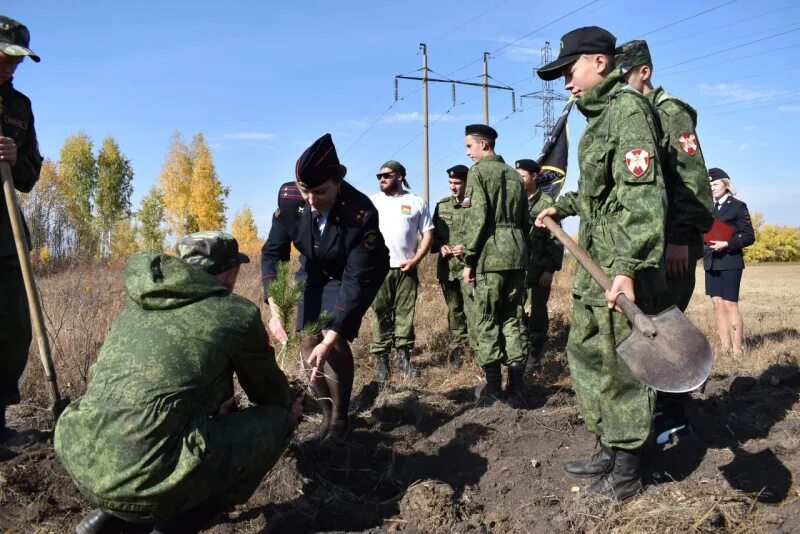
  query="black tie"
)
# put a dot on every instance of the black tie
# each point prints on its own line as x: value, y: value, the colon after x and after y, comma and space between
x: 716, y: 206
x: 315, y: 233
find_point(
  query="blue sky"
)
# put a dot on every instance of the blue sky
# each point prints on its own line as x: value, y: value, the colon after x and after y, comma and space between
x: 263, y: 79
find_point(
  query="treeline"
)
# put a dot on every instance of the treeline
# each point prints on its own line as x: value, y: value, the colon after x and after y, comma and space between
x: 81, y: 206
x: 774, y: 243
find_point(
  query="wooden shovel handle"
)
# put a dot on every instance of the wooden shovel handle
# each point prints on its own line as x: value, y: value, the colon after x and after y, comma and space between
x: 631, y: 310
x: 37, y: 316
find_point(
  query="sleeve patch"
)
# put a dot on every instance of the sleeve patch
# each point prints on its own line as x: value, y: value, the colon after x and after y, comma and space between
x: 369, y: 240
x: 688, y: 143
x: 637, y: 161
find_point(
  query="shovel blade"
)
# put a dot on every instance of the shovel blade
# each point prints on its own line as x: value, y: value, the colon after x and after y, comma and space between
x: 676, y: 360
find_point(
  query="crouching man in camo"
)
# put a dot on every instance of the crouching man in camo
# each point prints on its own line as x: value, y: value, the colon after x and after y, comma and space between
x: 157, y: 438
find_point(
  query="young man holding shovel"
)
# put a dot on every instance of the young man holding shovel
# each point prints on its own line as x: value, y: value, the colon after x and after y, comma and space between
x: 621, y: 200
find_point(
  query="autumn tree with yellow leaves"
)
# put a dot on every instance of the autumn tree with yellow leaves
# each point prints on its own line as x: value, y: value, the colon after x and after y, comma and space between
x: 193, y: 197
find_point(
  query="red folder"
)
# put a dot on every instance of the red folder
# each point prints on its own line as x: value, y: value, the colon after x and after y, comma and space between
x: 720, y: 231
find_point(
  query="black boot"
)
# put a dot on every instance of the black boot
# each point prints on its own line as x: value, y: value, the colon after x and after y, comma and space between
x: 516, y: 385
x: 99, y: 521
x: 487, y: 394
x: 405, y: 364
x: 456, y: 357
x: 382, y: 371
x: 625, y: 479
x: 600, y: 463
x: 534, y: 354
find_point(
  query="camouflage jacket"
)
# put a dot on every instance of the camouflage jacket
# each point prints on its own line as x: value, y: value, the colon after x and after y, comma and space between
x: 17, y: 123
x: 448, y: 224
x: 546, y: 252
x: 167, y: 364
x: 496, y: 217
x: 621, y: 197
x: 689, y: 214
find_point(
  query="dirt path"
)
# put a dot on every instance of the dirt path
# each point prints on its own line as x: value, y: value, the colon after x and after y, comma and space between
x: 433, y: 463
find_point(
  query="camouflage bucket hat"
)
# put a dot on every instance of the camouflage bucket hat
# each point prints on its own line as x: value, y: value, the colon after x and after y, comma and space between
x: 15, y: 38
x: 214, y: 252
x: 632, y: 54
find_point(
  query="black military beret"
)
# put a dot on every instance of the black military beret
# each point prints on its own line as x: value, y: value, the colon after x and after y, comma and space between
x: 458, y: 171
x: 527, y: 165
x: 587, y: 40
x: 319, y: 163
x: 715, y: 173
x: 482, y: 130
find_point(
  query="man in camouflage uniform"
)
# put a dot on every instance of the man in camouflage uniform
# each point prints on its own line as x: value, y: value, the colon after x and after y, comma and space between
x: 689, y: 214
x: 544, y: 258
x: 448, y: 241
x: 18, y: 148
x: 621, y: 201
x: 495, y: 255
x: 157, y: 437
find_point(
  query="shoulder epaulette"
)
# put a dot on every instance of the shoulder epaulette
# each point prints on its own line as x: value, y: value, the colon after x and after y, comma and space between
x: 289, y: 191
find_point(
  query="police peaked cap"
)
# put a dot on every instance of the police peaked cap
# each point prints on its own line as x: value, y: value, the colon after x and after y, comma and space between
x: 527, y: 165
x: 587, y: 40
x: 319, y: 163
x: 482, y: 130
x: 458, y: 171
x: 715, y: 173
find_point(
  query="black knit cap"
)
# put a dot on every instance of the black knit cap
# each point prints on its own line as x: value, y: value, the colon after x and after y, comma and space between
x: 587, y: 40
x: 458, y: 171
x: 527, y: 165
x: 318, y: 164
x: 482, y: 130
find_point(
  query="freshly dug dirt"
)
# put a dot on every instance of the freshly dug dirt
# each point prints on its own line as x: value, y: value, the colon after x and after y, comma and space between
x: 423, y: 462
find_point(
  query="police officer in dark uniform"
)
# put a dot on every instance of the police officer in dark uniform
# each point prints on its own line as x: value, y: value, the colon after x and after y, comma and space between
x: 18, y: 148
x: 724, y: 263
x: 343, y: 261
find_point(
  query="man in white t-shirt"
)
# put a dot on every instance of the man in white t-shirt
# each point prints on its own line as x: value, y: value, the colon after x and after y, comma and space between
x: 402, y: 217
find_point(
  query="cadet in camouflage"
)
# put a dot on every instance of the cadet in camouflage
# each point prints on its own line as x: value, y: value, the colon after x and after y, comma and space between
x: 448, y: 241
x: 496, y: 227
x: 689, y: 212
x: 157, y: 434
x: 621, y: 201
x: 545, y: 256
x: 18, y: 148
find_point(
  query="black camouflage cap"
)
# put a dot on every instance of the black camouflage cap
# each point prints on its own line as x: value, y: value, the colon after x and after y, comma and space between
x: 214, y: 252
x: 482, y: 130
x: 318, y: 164
x: 15, y: 38
x: 586, y: 40
x: 527, y: 165
x: 458, y: 171
x: 633, y: 54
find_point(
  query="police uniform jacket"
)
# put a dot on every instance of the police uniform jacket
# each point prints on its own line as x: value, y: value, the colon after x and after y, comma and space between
x: 342, y: 270
x: 733, y: 212
x: 17, y: 123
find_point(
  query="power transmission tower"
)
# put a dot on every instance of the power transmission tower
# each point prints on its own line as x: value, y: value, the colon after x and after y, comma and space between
x: 425, y: 79
x: 547, y: 95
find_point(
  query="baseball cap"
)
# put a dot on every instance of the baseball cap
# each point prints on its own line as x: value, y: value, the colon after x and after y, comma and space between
x: 586, y: 40
x: 15, y: 38
x: 632, y: 54
x: 213, y: 252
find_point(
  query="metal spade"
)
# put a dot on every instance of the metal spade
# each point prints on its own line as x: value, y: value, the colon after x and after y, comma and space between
x: 665, y: 351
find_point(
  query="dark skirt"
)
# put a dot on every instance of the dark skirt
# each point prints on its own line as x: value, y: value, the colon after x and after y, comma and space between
x: 724, y: 284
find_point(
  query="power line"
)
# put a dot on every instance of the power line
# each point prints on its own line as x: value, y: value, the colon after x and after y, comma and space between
x: 744, y: 100
x: 729, y: 112
x: 731, y: 48
x: 686, y: 18
x: 470, y: 21
x: 737, y: 58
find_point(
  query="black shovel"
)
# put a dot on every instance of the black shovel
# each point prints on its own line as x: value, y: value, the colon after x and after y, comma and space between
x: 665, y: 351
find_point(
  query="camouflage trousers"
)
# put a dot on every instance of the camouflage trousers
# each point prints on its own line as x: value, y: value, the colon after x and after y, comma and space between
x: 15, y: 329
x: 241, y: 449
x: 499, y: 317
x: 394, y: 307
x: 537, y: 320
x: 456, y: 313
x: 615, y: 405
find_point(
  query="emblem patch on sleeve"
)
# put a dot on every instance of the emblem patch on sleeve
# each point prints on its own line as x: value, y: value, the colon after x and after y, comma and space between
x: 688, y: 142
x: 466, y: 202
x: 637, y: 161
x: 369, y: 240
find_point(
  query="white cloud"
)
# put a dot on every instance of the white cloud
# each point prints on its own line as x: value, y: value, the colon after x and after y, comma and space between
x: 728, y: 93
x: 251, y: 136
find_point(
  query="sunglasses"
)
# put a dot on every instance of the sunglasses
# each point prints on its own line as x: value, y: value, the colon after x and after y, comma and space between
x: 383, y: 175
